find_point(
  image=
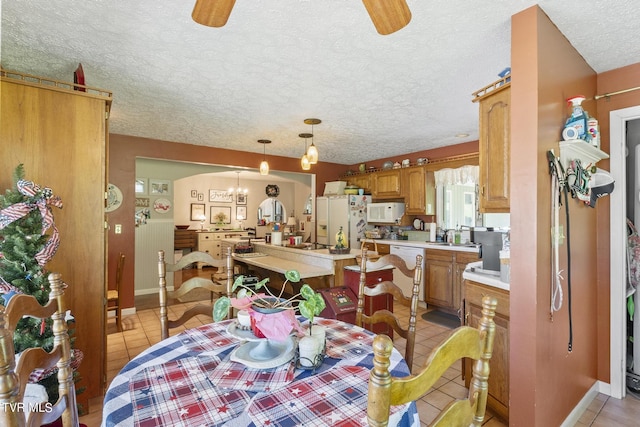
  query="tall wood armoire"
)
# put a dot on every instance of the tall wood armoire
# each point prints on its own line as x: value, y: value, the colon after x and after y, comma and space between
x: 60, y: 135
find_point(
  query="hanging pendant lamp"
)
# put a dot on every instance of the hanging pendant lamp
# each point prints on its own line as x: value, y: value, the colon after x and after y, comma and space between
x: 304, y: 161
x: 264, y: 166
x: 312, y: 152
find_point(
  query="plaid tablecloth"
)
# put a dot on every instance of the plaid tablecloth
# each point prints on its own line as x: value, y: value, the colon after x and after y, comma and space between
x: 188, y: 380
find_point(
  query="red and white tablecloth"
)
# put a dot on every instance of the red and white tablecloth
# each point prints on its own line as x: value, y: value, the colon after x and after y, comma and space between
x: 188, y: 380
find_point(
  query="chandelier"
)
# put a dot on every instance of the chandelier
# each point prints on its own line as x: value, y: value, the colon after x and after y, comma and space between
x: 238, y: 190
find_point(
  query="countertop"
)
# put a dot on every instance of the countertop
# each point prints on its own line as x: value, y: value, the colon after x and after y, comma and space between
x: 474, y: 272
x: 426, y: 245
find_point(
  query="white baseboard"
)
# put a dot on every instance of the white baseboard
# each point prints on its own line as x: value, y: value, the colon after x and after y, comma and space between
x: 581, y: 407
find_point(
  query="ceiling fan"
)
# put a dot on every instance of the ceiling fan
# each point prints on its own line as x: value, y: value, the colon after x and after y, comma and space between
x: 388, y: 16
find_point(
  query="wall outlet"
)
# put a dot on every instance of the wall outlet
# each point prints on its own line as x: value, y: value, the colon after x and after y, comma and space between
x: 118, y: 229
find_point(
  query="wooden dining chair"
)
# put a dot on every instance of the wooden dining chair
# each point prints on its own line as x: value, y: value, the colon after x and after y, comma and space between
x: 14, y: 375
x: 113, y: 295
x: 386, y: 391
x: 407, y: 332
x: 219, y: 287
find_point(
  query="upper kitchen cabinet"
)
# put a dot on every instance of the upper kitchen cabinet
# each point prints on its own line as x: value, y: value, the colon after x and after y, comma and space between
x: 60, y: 135
x: 387, y: 184
x: 362, y: 180
x: 418, y: 185
x: 494, y: 145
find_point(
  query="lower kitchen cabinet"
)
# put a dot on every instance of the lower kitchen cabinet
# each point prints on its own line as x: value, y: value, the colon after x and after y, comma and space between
x: 498, y: 396
x: 443, y: 280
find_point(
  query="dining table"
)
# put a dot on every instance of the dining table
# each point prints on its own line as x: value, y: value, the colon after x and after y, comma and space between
x: 196, y: 378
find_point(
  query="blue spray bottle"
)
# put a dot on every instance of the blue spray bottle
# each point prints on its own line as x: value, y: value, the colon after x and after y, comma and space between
x: 576, y: 125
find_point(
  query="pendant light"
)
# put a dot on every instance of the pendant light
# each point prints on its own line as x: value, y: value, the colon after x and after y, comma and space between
x: 264, y: 166
x: 304, y: 161
x: 238, y: 190
x: 312, y: 152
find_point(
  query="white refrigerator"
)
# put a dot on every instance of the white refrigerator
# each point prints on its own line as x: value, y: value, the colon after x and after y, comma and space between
x: 348, y: 212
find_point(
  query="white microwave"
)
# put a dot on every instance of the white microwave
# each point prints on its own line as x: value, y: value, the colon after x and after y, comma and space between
x: 385, y: 213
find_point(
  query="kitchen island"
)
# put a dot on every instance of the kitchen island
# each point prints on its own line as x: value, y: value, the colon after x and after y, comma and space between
x: 319, y: 268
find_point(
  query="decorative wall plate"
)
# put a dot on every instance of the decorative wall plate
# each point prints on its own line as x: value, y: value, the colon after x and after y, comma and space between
x: 272, y: 190
x: 114, y: 198
x: 162, y: 205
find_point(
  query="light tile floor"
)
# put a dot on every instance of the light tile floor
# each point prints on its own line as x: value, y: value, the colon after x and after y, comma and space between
x: 143, y: 330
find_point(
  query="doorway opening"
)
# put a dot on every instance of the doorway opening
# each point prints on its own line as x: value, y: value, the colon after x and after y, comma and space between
x: 619, y: 121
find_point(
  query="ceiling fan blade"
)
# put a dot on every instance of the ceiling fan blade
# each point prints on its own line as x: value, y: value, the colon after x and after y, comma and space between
x: 388, y: 16
x: 212, y: 13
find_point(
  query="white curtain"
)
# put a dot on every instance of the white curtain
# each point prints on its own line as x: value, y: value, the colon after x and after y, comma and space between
x: 465, y: 175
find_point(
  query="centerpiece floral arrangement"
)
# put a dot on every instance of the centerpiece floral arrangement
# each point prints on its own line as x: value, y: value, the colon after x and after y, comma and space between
x: 273, y: 315
x: 220, y: 218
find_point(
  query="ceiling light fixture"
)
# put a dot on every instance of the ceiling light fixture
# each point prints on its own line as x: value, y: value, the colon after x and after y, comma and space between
x: 264, y: 166
x: 238, y: 189
x: 304, y: 161
x: 312, y: 152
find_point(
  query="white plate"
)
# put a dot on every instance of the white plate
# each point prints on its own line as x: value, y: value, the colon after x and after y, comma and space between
x: 264, y: 354
x: 417, y: 224
x: 235, y: 330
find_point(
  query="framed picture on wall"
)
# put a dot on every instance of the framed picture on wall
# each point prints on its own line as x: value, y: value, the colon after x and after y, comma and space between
x: 241, y: 199
x: 241, y: 213
x: 201, y: 197
x: 159, y: 186
x: 220, y: 196
x: 141, y: 186
x: 220, y: 215
x: 194, y: 194
x: 197, y: 212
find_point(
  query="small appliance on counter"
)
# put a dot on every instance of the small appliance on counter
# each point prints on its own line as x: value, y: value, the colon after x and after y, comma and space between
x: 490, y: 246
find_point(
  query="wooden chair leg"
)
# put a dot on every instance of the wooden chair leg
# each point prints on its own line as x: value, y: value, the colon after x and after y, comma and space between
x: 119, y: 317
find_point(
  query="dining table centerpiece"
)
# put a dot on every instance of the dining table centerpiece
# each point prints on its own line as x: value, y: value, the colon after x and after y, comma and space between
x: 272, y: 316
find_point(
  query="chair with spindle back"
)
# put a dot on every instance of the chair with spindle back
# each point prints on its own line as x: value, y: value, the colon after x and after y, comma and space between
x: 221, y: 288
x: 407, y: 332
x: 14, y: 375
x: 475, y: 343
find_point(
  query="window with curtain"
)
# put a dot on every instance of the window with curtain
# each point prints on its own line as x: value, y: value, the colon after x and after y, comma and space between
x: 456, y: 196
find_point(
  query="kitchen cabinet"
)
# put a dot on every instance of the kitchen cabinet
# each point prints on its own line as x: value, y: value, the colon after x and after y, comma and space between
x: 498, y: 396
x: 494, y: 147
x: 418, y: 187
x: 211, y: 242
x: 443, y: 281
x: 386, y: 184
x: 61, y: 137
x: 362, y: 180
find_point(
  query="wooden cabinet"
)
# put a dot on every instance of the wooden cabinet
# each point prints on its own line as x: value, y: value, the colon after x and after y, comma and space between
x: 418, y: 188
x: 60, y: 135
x: 443, y: 281
x: 498, y: 396
x: 494, y: 148
x: 185, y: 239
x: 362, y: 180
x: 211, y: 241
x: 386, y: 184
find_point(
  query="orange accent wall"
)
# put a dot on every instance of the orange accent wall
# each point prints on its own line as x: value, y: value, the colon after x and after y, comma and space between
x: 547, y: 381
x: 123, y: 151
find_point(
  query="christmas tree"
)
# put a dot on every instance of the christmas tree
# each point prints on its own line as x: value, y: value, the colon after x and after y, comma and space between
x: 25, y: 218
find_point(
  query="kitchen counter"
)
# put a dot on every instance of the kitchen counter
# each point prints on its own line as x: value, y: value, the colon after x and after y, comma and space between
x: 327, y: 268
x: 427, y: 245
x: 475, y: 273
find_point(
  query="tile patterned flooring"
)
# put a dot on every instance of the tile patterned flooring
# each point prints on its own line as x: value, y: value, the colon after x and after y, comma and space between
x: 143, y: 330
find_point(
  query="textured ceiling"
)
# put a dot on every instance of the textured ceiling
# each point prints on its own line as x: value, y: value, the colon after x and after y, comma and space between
x: 278, y: 62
